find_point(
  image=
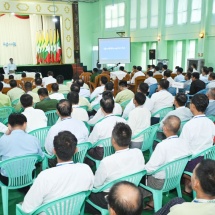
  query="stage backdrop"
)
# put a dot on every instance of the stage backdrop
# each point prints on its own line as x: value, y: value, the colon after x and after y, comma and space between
x: 19, y: 36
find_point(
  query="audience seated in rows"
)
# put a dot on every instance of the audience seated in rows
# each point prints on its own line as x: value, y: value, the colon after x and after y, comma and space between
x: 62, y: 88
x: 139, y: 73
x: 67, y: 123
x: 49, y: 79
x: 35, y: 118
x: 55, y: 92
x: 139, y: 119
x: 38, y: 83
x: 77, y: 112
x: 142, y: 88
x: 211, y: 79
x: 99, y: 89
x: 196, y: 84
x: 156, y: 71
x: 125, y: 198
x: 104, y: 128
x: 123, y: 162
x: 99, y: 114
x: 15, y: 92
x: 63, y: 180
x: 124, y: 94
x: 167, y: 76
x: 95, y: 73
x: 122, y: 68
x: 182, y: 112
x: 179, y: 76
x: 198, y: 132
x: 82, y: 101
x: 45, y: 104
x: 16, y: 142
x: 204, y: 75
x: 105, y: 71
x: 83, y: 91
x: 2, y: 81
x: 4, y: 99
x: 150, y: 80
x: 211, y: 106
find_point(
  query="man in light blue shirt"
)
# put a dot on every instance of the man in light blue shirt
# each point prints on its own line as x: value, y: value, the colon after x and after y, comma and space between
x: 211, y: 106
x: 16, y: 142
x: 211, y: 79
x: 179, y: 76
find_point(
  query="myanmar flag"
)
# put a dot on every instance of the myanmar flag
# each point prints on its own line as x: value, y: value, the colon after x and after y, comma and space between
x: 58, y: 53
x: 47, y: 49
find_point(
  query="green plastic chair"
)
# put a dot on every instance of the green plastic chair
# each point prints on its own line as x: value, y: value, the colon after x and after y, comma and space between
x: 5, y: 122
x: 87, y: 125
x: 1, y: 134
x: 73, y: 204
x: 52, y: 117
x: 88, y: 98
x: 41, y: 134
x: 82, y: 151
x: 148, y: 135
x: 134, y: 178
x: 65, y: 95
x: 173, y: 172
x: 181, y: 127
x: 163, y: 112
x: 108, y: 150
x: 14, y: 103
x: 212, y: 118
x: 19, y: 172
x: 96, y: 107
x: 5, y: 113
x: 84, y: 107
x: 124, y: 104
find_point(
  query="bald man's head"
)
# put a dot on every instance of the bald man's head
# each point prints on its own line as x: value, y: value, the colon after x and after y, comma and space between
x: 125, y: 198
x: 172, y: 124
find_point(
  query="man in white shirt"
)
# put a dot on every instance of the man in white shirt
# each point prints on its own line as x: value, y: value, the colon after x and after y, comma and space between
x: 15, y: 92
x: 138, y: 119
x: 104, y: 128
x: 179, y: 76
x: 161, y: 99
x: 166, y: 151
x: 199, y: 132
x: 211, y: 79
x: 49, y: 79
x: 11, y: 67
x: 55, y: 92
x: 99, y: 114
x: 36, y: 118
x: 164, y: 68
x: 194, y: 67
x: 150, y: 80
x: 182, y: 112
x: 152, y: 68
x: 167, y: 76
x: 123, y: 162
x: 205, y: 74
x: 38, y: 83
x: 78, y: 128
x: 83, y: 91
x: 63, y: 180
x: 62, y: 88
x: 77, y: 112
x: 2, y: 81
x: 137, y: 74
x: 156, y: 71
x: 99, y: 89
x: 142, y: 88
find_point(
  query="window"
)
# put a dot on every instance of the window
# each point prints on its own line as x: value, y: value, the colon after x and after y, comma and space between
x: 143, y: 13
x: 133, y: 19
x: 196, y: 11
x: 169, y: 12
x: 154, y: 13
x: 144, y: 55
x: 192, y: 49
x: 178, y: 53
x: 213, y: 13
x: 182, y: 12
x: 115, y: 15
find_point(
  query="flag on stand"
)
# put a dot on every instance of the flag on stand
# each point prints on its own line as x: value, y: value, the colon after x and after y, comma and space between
x: 54, y: 47
x: 47, y: 49
x: 38, y: 47
x: 58, y: 51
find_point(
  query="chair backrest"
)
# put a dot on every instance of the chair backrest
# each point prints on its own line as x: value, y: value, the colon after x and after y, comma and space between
x: 6, y: 89
x: 84, y: 107
x: 148, y: 135
x: 52, y: 117
x: 182, y: 125
x: 134, y: 178
x: 163, y: 112
x: 158, y: 77
x: 82, y: 150
x: 208, y: 153
x: 67, y: 205
x: 211, y: 117
x: 14, y: 103
x: 173, y: 75
x: 172, y: 90
x: 85, y: 76
x: 49, y: 87
x: 41, y: 134
x: 187, y: 88
x: 204, y: 91
x: 5, y: 113
x: 124, y: 104
x: 27, y: 79
x: 96, y: 107
x: 139, y: 80
x: 98, y: 78
x: 65, y: 95
x: 152, y: 89
x: 1, y: 134
x: 19, y: 170
x: 107, y: 146
x: 173, y: 172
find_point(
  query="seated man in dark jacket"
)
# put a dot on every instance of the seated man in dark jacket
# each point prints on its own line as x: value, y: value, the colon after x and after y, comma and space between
x: 196, y: 84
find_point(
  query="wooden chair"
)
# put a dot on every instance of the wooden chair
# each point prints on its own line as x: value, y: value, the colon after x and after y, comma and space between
x: 173, y: 75
x: 97, y: 81
x: 158, y: 77
x: 85, y: 76
x: 49, y: 87
x: 138, y: 80
x: 5, y: 90
x: 127, y: 78
x: 27, y: 79
x: 6, y: 81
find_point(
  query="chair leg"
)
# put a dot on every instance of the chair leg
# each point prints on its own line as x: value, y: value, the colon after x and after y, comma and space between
x: 158, y: 197
x: 178, y: 188
x: 4, y: 191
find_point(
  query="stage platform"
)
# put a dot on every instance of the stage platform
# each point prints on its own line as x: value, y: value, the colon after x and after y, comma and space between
x: 58, y: 69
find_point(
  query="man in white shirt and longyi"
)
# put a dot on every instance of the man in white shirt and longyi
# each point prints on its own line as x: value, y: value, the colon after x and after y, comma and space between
x: 49, y: 79
x: 123, y: 162
x: 63, y: 180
